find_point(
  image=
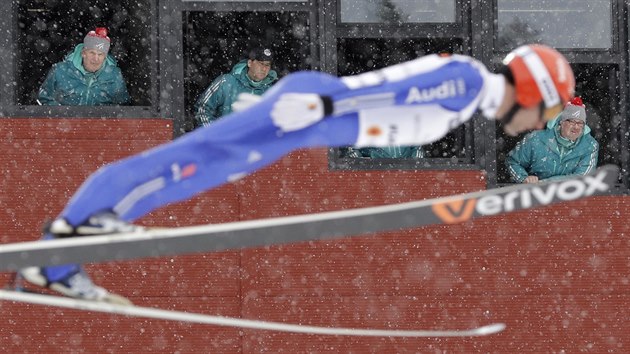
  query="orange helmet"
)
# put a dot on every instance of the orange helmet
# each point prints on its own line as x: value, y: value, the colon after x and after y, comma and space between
x: 542, y: 76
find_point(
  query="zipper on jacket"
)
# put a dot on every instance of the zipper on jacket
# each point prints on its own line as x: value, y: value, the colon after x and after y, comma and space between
x: 87, y: 92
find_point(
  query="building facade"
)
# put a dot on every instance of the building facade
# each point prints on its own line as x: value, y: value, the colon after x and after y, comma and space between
x: 171, y: 50
x: 558, y: 276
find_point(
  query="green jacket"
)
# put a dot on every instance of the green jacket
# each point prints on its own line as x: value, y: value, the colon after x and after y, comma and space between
x: 547, y: 155
x: 69, y: 84
x: 389, y: 152
x: 216, y: 101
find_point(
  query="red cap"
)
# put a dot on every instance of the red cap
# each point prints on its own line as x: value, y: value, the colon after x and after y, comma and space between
x: 100, y: 32
x: 97, y: 39
x: 576, y: 101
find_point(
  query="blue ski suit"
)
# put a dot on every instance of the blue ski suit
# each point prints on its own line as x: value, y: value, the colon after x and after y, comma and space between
x: 412, y: 103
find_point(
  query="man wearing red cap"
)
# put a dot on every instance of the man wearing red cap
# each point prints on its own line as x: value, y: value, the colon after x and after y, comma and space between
x: 565, y: 148
x: 88, y: 76
x: 412, y: 103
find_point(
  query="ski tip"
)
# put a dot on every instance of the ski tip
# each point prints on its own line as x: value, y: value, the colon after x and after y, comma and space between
x: 490, y: 329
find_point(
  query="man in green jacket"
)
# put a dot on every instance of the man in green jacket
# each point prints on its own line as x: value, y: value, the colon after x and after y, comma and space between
x: 389, y: 152
x: 252, y: 76
x: 87, y: 76
x: 565, y: 148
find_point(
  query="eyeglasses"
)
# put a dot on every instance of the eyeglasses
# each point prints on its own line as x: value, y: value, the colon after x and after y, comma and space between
x: 575, y: 122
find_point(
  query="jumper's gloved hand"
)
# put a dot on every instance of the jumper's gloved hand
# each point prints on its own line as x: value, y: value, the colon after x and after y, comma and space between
x: 294, y: 111
x: 244, y: 101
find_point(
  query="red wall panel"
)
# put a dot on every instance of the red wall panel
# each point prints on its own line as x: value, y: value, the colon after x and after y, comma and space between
x: 559, y: 277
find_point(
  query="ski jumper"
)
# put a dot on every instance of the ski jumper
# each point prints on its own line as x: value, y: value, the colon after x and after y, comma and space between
x: 412, y: 103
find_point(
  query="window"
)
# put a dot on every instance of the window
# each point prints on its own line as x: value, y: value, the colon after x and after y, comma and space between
x: 48, y: 30
x: 356, y: 56
x: 598, y: 87
x: 561, y: 23
x: 397, y: 11
x: 215, y: 41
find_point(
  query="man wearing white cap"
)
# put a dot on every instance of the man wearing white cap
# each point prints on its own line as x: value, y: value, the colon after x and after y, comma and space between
x: 87, y: 76
x: 565, y: 148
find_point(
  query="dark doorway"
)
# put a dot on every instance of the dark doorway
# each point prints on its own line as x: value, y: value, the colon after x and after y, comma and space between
x: 48, y: 30
x: 215, y: 41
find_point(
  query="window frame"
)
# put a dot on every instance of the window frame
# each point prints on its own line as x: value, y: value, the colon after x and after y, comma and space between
x: 613, y: 56
x: 9, y: 73
x: 178, y: 8
x: 459, y: 29
x: 614, y: 30
x: 377, y: 24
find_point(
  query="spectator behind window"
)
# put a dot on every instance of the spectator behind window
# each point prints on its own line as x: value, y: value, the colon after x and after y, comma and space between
x: 565, y: 148
x: 87, y: 76
x: 389, y: 152
x: 252, y: 76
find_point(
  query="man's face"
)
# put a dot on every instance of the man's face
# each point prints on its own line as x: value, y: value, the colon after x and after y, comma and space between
x: 571, y: 129
x: 92, y: 59
x: 258, y: 70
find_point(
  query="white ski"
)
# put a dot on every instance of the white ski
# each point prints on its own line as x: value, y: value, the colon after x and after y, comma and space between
x: 273, y: 231
x: 138, y: 311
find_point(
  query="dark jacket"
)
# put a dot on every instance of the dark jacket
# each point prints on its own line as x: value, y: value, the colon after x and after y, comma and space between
x: 547, y: 155
x: 216, y: 101
x: 69, y: 84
